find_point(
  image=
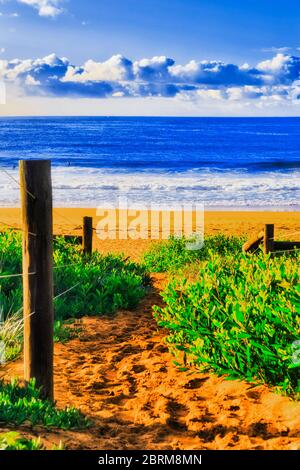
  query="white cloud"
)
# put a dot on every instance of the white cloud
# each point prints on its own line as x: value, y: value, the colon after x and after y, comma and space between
x: 48, y: 8
x: 31, y: 81
x: 216, y: 73
x: 10, y: 15
x: 281, y: 69
x: 275, y: 64
x: 117, y: 68
x: 273, y: 80
x: 283, y: 49
x: 157, y: 68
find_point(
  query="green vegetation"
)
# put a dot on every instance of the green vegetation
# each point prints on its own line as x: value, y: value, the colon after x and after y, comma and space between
x: 171, y: 255
x: 228, y: 312
x: 19, y: 404
x: 232, y: 313
x: 83, y: 286
x: 11, y: 334
x: 13, y: 441
x: 103, y: 283
x: 65, y: 331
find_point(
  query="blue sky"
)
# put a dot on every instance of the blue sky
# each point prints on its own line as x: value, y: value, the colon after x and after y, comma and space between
x: 126, y: 35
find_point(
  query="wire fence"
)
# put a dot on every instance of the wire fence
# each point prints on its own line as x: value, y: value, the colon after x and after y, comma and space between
x: 287, y: 251
x: 57, y: 213
x: 16, y: 181
x: 70, y: 223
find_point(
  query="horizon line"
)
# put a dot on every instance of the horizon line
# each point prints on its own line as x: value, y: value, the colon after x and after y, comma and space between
x: 142, y: 116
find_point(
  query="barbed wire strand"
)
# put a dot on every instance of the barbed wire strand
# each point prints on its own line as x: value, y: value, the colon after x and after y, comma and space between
x: 66, y: 291
x: 15, y: 275
x: 21, y: 320
x: 17, y: 182
x: 17, y: 229
x: 286, y: 251
x: 63, y: 216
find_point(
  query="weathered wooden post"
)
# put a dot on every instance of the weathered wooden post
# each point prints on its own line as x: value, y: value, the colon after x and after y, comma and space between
x: 87, y: 237
x: 253, y: 244
x: 36, y: 202
x: 269, y: 238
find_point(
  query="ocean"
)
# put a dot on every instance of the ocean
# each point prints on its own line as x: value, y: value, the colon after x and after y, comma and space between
x: 224, y: 163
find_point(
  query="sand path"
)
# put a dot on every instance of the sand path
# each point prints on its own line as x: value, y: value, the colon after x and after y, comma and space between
x: 120, y: 373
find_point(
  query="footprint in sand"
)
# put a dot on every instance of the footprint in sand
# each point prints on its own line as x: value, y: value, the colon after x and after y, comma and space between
x: 138, y: 368
x: 117, y: 399
x: 177, y: 412
x: 132, y: 387
x: 234, y: 408
x: 209, y: 435
x: 253, y: 395
x: 126, y: 351
x: 161, y: 348
x: 195, y: 383
x: 259, y: 429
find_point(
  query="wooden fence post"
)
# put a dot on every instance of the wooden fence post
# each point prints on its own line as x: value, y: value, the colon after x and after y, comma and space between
x: 36, y: 201
x: 87, y: 238
x: 269, y: 238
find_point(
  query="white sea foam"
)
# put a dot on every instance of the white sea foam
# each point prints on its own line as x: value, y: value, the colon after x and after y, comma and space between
x: 90, y: 187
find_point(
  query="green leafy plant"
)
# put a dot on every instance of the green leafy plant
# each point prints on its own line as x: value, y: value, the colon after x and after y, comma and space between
x: 171, y: 255
x: 103, y: 283
x: 13, y: 441
x: 94, y: 285
x: 19, y: 404
x: 238, y: 315
x: 64, y: 332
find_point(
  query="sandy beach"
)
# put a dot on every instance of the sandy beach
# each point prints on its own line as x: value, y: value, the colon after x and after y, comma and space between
x: 120, y: 374
x: 69, y: 222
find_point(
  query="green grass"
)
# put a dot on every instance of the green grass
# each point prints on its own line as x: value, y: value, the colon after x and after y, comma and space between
x: 11, y: 334
x: 232, y: 313
x: 24, y: 404
x: 13, y: 441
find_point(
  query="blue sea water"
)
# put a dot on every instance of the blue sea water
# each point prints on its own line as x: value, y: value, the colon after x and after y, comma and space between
x: 226, y: 163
